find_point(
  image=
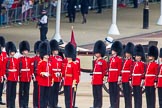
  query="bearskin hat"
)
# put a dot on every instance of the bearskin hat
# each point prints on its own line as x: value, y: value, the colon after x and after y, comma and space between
x: 24, y: 45
x: 2, y: 41
x: 153, y: 51
x: 100, y: 47
x: 117, y: 47
x: 10, y: 47
x: 44, y: 49
x: 54, y: 45
x: 139, y: 51
x: 70, y: 51
x: 129, y: 48
x: 36, y: 46
x: 160, y: 53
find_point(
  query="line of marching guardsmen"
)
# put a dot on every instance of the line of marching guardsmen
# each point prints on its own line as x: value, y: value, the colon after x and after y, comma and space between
x: 126, y: 66
x: 47, y: 68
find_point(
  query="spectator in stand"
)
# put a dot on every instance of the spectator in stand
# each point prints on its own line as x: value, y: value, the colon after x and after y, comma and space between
x: 13, y: 12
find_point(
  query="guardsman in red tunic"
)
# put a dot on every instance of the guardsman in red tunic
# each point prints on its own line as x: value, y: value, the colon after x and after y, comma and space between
x: 25, y: 73
x: 11, y: 68
x: 45, y: 75
x: 69, y: 74
x: 114, y: 71
x: 159, y: 84
x: 35, y: 61
x: 56, y: 64
x: 126, y: 74
x: 3, y: 56
x: 150, y: 76
x: 99, y: 71
x: 138, y: 75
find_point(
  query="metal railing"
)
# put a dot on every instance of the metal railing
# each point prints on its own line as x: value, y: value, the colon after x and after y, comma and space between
x: 16, y: 15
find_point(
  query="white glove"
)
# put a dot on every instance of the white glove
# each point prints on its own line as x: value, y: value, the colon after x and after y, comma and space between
x: 142, y: 83
x: 75, y: 6
x: 119, y: 79
x: 46, y: 74
x: 57, y: 74
x: 79, y: 6
x: 89, y: 7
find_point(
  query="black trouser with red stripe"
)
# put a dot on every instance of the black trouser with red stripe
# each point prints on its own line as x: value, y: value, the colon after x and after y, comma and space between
x: 114, y: 94
x: 43, y: 96
x: 150, y: 96
x: 137, y: 92
x: 68, y: 96
x: 127, y: 94
x: 160, y: 96
x: 11, y: 94
x: 1, y: 90
x: 97, y: 96
x: 35, y: 94
x: 54, y: 92
x: 74, y: 95
x: 24, y: 94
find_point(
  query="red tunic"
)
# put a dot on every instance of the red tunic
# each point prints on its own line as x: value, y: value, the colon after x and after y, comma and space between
x: 159, y: 84
x: 127, y: 70
x: 3, y: 58
x: 69, y: 72
x: 77, y: 61
x: 11, y: 69
x: 151, y: 73
x: 44, y: 66
x: 138, y: 73
x: 25, y: 69
x: 99, y: 71
x: 1, y: 68
x: 56, y: 64
x: 35, y: 61
x: 115, y: 67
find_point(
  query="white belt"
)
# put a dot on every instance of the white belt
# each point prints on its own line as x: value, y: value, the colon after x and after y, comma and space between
x: 25, y: 69
x: 12, y: 70
x: 113, y: 69
x: 56, y: 69
x: 149, y: 75
x: 136, y: 74
x: 97, y: 72
x: 159, y: 76
x: 125, y: 71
